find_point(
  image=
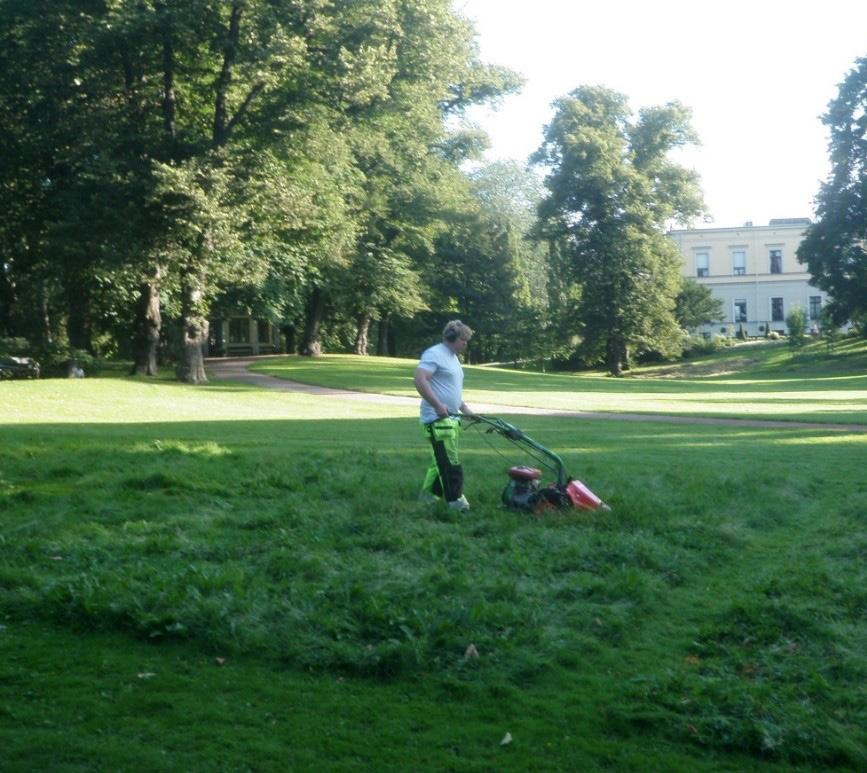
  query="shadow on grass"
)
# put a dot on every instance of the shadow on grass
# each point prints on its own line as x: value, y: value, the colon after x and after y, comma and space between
x: 299, y: 542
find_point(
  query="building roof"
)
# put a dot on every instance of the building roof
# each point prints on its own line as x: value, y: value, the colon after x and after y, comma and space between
x: 777, y: 222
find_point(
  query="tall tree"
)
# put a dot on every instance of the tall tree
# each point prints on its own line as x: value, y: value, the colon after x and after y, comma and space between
x: 141, y: 123
x: 407, y: 159
x: 510, y: 194
x: 611, y: 191
x: 476, y: 276
x: 40, y: 94
x: 835, y: 246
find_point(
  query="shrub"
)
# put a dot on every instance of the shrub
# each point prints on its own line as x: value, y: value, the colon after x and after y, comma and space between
x: 14, y: 347
x: 796, y: 320
x: 697, y: 345
x: 55, y: 360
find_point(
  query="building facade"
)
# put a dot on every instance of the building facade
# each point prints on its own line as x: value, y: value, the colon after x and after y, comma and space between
x: 754, y: 271
x: 240, y: 335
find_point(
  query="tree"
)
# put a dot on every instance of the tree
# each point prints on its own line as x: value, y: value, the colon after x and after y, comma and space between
x: 835, y: 246
x: 43, y: 140
x: 611, y: 191
x: 191, y: 146
x: 830, y: 331
x: 796, y: 322
x: 509, y: 193
x: 508, y: 268
x: 407, y: 161
x: 695, y: 305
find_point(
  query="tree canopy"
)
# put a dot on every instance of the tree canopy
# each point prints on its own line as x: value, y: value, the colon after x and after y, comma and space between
x: 696, y: 305
x: 835, y: 246
x: 168, y: 163
x: 194, y: 148
x: 611, y: 191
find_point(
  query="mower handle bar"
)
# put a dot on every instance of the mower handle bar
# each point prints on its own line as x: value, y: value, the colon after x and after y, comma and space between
x: 511, y: 432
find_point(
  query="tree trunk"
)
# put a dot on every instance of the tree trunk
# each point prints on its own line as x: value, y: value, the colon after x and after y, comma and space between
x: 44, y: 315
x: 79, y: 324
x: 148, y: 325
x: 169, y: 99
x: 222, y: 123
x: 614, y: 356
x: 311, y: 344
x: 7, y: 301
x: 382, y: 337
x: 362, y: 332
x: 289, y: 334
x: 194, y: 329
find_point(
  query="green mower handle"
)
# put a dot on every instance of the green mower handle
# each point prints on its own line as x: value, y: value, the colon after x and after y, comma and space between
x: 511, y: 432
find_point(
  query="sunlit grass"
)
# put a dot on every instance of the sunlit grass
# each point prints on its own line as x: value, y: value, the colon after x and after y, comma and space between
x: 764, y: 389
x: 120, y: 401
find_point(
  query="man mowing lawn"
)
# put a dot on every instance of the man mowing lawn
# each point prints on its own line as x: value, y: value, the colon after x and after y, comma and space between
x: 439, y: 379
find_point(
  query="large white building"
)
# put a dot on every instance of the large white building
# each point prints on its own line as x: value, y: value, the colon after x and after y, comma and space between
x: 754, y: 271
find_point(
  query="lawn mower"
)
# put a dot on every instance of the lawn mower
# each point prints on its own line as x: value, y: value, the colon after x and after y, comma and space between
x: 524, y: 490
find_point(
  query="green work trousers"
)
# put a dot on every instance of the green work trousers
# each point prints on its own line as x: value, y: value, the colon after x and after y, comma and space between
x: 445, y: 476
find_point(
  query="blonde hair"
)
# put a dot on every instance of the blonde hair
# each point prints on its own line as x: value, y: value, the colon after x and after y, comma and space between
x: 457, y: 329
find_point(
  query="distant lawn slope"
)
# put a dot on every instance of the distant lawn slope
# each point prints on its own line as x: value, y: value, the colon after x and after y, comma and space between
x: 758, y: 380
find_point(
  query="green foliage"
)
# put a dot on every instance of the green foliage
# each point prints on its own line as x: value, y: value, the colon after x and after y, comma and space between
x: 835, y: 246
x: 612, y: 190
x: 829, y: 331
x: 698, y: 345
x: 55, y: 360
x: 487, y: 269
x: 695, y: 305
x: 510, y: 194
x: 14, y: 347
x: 237, y: 154
x: 796, y: 322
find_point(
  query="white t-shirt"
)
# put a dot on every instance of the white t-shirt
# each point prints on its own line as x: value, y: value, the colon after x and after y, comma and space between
x: 447, y: 381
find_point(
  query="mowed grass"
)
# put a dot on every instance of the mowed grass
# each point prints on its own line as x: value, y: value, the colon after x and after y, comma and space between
x: 223, y: 578
x: 761, y: 380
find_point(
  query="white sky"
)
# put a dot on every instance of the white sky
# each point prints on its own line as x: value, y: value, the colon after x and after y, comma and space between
x: 757, y: 76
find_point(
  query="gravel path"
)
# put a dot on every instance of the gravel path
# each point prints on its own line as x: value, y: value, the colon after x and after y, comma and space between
x: 235, y: 369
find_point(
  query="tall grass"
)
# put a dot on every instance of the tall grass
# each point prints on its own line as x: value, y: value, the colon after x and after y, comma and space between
x: 714, y: 619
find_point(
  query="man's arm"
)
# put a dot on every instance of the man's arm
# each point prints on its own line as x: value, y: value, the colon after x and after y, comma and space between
x: 467, y: 411
x: 423, y: 387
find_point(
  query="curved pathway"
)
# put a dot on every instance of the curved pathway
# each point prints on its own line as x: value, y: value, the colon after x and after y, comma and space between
x: 235, y: 369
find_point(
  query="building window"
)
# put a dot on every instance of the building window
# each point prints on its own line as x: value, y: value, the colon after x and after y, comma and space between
x: 740, y: 313
x: 264, y: 331
x: 702, y: 264
x: 239, y: 330
x: 815, y: 306
x: 776, y: 309
x: 739, y: 262
x: 775, y: 259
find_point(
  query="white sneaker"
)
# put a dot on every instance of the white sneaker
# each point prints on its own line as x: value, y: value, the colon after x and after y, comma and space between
x: 426, y: 498
x: 460, y: 504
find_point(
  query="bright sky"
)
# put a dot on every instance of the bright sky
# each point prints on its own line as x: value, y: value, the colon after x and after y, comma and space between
x: 757, y: 75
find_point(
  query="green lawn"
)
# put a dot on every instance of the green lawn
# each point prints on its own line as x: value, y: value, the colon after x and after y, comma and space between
x: 220, y: 578
x: 758, y: 381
